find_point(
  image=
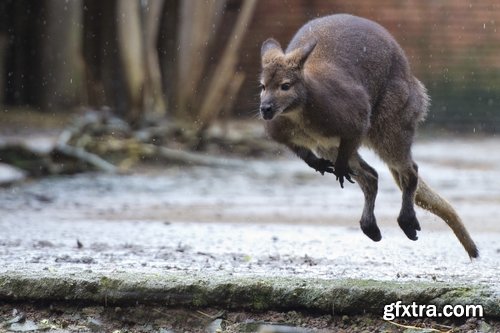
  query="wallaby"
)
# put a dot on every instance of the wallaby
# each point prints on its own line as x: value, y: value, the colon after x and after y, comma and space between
x: 344, y: 81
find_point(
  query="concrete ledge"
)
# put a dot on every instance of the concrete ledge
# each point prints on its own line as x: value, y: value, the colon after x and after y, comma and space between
x: 233, y: 292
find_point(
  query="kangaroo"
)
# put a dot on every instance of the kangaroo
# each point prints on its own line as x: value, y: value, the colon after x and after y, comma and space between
x: 342, y: 82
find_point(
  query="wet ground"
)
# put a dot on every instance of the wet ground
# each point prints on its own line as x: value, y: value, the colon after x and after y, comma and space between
x: 264, y: 218
x: 267, y: 217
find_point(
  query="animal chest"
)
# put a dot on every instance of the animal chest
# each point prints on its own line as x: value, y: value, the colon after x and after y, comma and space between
x: 302, y: 133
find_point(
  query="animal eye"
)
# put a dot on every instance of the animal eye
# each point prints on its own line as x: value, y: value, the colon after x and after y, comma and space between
x: 285, y: 86
x: 262, y: 87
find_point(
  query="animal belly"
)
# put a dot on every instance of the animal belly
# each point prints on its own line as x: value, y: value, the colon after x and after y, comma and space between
x: 320, y: 145
x: 327, y: 143
x: 304, y: 136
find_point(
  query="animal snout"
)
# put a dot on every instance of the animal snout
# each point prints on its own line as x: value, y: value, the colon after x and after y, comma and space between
x: 267, y: 111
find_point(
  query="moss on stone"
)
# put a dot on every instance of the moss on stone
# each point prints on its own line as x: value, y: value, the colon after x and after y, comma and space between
x: 343, y: 296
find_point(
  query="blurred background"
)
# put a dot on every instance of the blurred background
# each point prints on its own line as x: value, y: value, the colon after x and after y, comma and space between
x: 197, y: 61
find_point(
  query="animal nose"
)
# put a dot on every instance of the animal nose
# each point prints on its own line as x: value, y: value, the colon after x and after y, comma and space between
x: 267, y: 111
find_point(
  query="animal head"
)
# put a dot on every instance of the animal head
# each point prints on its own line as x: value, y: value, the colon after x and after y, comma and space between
x: 282, y: 78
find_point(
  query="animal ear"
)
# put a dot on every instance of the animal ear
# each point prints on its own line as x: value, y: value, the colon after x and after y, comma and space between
x: 300, y: 55
x: 270, y: 49
x: 268, y: 45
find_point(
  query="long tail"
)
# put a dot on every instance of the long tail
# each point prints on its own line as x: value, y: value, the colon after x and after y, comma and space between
x: 431, y: 201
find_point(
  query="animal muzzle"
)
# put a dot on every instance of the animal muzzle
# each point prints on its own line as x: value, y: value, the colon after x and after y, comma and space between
x: 267, y: 111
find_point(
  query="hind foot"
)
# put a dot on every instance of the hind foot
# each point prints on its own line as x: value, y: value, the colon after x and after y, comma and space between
x: 409, y: 224
x: 370, y: 228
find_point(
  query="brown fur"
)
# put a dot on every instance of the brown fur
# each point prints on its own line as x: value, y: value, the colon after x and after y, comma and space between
x: 343, y: 81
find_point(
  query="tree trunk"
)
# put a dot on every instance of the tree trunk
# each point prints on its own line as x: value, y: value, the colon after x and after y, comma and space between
x: 167, y: 49
x: 225, y: 71
x: 92, y: 54
x: 198, y: 26
x: 154, y: 99
x: 104, y: 76
x: 60, y: 66
x: 131, y: 55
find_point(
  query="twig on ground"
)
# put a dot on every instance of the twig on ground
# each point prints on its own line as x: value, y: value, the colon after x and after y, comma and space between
x: 418, y: 328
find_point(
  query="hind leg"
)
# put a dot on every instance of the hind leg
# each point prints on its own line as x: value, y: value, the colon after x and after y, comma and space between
x: 367, y: 178
x: 391, y: 135
x: 396, y: 152
x: 407, y: 179
x: 393, y: 145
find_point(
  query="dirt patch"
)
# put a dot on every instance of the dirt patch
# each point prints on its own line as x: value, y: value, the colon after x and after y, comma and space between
x: 60, y: 317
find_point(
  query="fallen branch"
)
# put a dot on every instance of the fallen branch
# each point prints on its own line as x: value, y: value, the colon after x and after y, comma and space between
x: 84, y: 156
x: 185, y: 157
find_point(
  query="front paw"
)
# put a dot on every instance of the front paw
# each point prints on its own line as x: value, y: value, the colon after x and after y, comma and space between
x: 321, y: 165
x: 343, y: 171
